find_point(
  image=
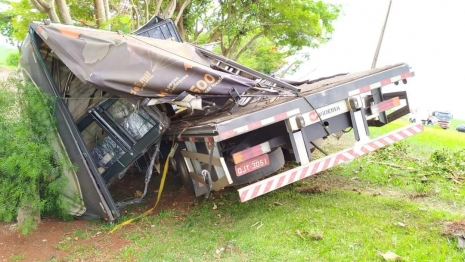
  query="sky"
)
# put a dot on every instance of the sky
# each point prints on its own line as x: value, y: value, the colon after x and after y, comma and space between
x: 428, y: 35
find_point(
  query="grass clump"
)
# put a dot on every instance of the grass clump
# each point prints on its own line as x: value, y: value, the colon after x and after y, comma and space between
x: 30, y: 171
x: 441, y: 173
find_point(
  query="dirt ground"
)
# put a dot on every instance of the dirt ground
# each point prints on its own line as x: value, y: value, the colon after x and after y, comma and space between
x: 4, y: 73
x: 55, y: 239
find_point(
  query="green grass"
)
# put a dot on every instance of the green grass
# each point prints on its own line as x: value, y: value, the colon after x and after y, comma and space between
x: 414, y: 171
x: 432, y: 138
x: 455, y: 122
x: 5, y: 52
x: 337, y: 225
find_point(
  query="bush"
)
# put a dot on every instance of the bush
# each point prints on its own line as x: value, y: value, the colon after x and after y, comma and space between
x: 30, y: 172
x: 12, y: 59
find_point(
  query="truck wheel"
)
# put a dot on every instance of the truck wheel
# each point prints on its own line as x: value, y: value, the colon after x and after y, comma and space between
x: 183, y: 172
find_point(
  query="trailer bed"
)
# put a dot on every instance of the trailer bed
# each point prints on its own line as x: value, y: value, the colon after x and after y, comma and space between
x: 313, y: 96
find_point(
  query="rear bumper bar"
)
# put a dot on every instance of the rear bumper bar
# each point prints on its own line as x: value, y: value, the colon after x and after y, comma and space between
x: 314, y: 167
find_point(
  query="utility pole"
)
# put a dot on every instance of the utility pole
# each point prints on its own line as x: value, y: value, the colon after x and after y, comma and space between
x: 375, y: 59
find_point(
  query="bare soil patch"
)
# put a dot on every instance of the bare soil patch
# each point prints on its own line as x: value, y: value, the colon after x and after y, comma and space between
x: 58, y: 240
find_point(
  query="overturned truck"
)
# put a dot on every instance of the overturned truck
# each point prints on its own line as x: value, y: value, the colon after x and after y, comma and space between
x: 124, y: 100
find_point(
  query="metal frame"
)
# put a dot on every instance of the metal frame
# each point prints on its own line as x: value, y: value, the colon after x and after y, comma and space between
x: 109, y: 206
x: 303, y: 104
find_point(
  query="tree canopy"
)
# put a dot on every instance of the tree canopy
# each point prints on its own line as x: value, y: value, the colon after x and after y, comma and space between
x: 258, y: 33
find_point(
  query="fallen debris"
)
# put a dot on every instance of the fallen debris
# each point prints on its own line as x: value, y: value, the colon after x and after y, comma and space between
x: 389, y: 256
x: 312, y: 190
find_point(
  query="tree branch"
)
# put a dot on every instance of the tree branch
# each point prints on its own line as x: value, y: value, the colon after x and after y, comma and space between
x: 63, y: 10
x: 231, y: 45
x: 44, y: 4
x: 158, y: 7
x: 136, y: 14
x: 197, y: 32
x: 47, y: 8
x: 181, y: 11
x: 215, y: 35
x: 169, y: 11
x: 38, y: 6
x: 246, y: 46
x: 147, y: 2
x: 222, y: 43
x: 394, y: 165
x: 107, y: 9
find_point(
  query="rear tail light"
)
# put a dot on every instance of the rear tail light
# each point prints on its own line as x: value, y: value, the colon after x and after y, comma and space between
x: 385, y: 105
x: 251, y: 152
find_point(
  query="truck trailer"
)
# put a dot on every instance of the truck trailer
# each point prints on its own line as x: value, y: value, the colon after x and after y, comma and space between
x: 130, y: 100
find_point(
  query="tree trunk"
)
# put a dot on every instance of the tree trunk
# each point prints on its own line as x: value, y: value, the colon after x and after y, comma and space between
x: 181, y: 11
x: 135, y: 14
x: 48, y: 8
x: 100, y: 12
x: 197, y: 32
x: 147, y: 18
x: 107, y: 9
x: 182, y: 30
x: 169, y: 11
x: 63, y: 10
x: 133, y: 25
x: 158, y: 7
x: 246, y: 46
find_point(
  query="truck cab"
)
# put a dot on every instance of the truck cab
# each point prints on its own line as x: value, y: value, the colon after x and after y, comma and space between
x: 443, y: 118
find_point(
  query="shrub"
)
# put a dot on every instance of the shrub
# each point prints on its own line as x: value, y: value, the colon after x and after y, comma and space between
x: 12, y: 59
x: 30, y: 172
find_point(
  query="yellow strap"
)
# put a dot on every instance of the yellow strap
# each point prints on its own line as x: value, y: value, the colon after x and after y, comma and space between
x: 162, y: 184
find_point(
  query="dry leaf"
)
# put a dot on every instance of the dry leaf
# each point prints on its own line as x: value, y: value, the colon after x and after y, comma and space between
x: 277, y: 204
x: 214, y: 207
x: 317, y: 237
x: 221, y: 203
x: 299, y: 234
x: 138, y: 193
x: 400, y: 224
x: 390, y: 256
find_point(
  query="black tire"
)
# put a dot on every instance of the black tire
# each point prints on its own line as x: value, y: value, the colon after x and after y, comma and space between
x: 183, y: 173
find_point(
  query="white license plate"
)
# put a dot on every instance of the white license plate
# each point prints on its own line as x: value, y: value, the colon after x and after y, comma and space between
x: 252, y: 165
